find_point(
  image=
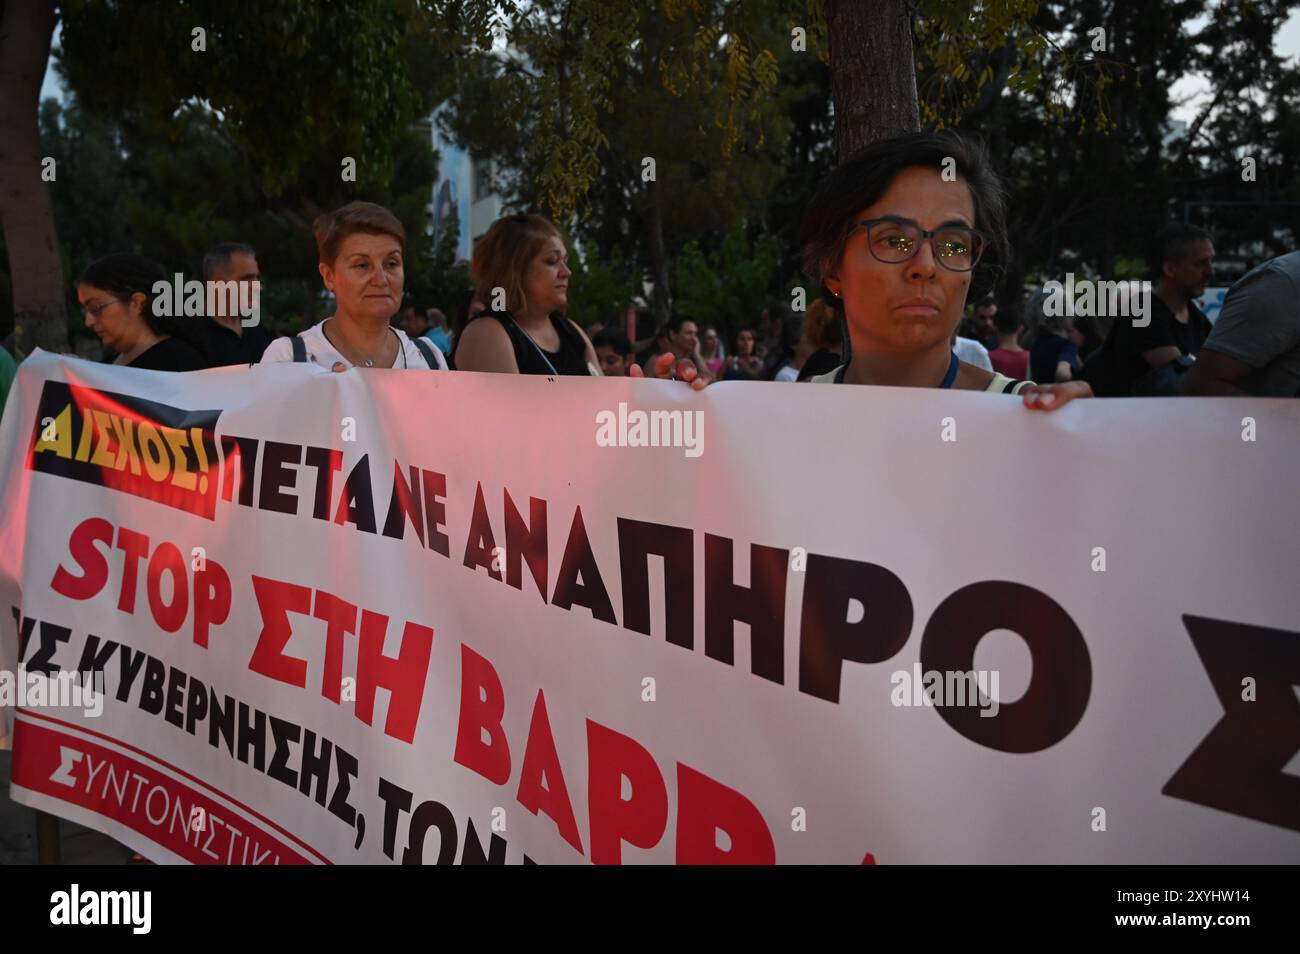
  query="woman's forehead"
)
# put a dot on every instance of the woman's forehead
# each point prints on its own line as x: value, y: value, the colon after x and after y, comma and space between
x: 926, y: 196
x: 365, y: 243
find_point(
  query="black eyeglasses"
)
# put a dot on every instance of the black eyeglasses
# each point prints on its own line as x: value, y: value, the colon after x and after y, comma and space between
x: 893, y: 240
x: 97, y: 309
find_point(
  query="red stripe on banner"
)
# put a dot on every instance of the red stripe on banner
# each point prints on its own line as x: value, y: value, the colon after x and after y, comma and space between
x: 174, y: 815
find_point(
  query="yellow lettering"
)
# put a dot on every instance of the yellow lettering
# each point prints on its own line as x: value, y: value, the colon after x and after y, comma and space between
x: 83, y: 448
x: 126, y: 444
x: 101, y: 457
x: 153, y: 451
x: 177, y: 440
x: 62, y: 443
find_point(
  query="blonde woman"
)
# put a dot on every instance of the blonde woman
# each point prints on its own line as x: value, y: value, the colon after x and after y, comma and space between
x: 520, y: 266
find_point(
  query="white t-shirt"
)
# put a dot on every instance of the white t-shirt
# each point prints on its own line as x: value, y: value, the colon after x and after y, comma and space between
x: 323, y: 354
x: 972, y: 352
x: 788, y: 373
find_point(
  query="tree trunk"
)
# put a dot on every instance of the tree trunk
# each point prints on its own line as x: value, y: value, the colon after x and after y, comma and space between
x: 35, y: 264
x: 873, y: 72
x: 661, y: 295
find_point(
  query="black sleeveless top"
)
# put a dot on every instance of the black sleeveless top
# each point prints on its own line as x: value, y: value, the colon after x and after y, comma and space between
x: 532, y: 358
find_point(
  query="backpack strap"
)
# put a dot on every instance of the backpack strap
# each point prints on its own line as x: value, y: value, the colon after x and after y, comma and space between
x: 426, y: 351
x: 299, y: 348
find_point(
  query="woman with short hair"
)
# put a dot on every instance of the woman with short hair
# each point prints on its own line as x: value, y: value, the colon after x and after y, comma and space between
x: 896, y: 240
x: 361, y: 247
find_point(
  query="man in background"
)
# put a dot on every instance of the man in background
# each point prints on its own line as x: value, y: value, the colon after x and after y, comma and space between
x: 1149, y: 359
x: 1009, y: 357
x: 229, y: 340
x: 983, y: 327
x: 1254, y: 347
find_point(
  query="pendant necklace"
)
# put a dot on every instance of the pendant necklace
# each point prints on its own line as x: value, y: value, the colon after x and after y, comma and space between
x: 367, y: 362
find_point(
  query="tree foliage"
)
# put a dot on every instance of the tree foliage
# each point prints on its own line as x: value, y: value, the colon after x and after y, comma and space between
x: 665, y: 136
x: 729, y: 286
x: 244, y: 139
x: 288, y: 82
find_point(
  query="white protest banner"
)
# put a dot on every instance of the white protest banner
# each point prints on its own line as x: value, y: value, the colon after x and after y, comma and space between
x: 415, y: 616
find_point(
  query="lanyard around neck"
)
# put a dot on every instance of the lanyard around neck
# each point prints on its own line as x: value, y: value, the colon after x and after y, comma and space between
x: 536, y: 346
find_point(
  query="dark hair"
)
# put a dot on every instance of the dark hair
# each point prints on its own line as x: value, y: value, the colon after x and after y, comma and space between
x: 218, y: 257
x: 1036, y: 312
x: 864, y: 178
x: 1170, y: 245
x: 613, y: 339
x: 677, y: 320
x: 1008, y: 320
x: 986, y: 301
x: 735, y: 338
x: 123, y: 275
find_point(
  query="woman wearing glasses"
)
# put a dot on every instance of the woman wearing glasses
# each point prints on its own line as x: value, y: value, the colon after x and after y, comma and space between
x: 117, y: 295
x: 895, y: 235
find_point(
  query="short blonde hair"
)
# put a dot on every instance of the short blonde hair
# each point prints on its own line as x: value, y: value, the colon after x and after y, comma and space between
x: 366, y: 218
x: 502, y: 256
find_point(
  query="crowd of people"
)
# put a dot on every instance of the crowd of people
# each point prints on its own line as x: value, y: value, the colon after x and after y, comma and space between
x: 894, y: 249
